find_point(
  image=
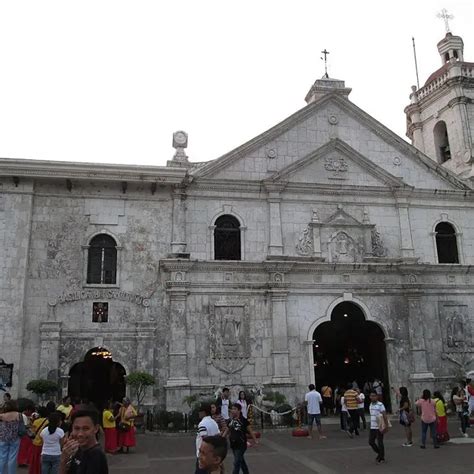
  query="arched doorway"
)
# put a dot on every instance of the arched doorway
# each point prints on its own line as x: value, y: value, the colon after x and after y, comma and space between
x: 348, y: 348
x: 97, y: 379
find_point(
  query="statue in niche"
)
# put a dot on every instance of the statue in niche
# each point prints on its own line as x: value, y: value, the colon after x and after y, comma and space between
x: 231, y: 330
x: 455, y: 330
x: 305, y: 242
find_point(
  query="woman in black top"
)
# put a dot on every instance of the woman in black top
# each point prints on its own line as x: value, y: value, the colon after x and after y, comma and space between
x: 405, y: 415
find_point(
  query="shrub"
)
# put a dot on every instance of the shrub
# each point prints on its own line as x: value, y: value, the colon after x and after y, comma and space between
x: 42, y: 387
x: 139, y: 382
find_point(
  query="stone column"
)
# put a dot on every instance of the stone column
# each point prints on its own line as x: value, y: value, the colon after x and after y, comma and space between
x: 146, y: 353
x: 275, y: 246
x: 462, y: 145
x: 178, y: 237
x: 417, y: 336
x: 50, y: 337
x: 177, y: 386
x: 280, y: 352
x: 406, y: 244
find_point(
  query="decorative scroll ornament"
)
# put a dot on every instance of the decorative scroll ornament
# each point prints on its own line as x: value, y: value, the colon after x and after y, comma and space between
x: 378, y: 249
x: 305, y: 242
x: 336, y: 165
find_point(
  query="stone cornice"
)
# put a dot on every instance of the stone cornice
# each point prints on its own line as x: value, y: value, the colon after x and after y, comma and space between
x: 90, y: 171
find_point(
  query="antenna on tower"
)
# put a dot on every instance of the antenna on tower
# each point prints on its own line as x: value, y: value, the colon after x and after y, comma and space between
x: 416, y: 63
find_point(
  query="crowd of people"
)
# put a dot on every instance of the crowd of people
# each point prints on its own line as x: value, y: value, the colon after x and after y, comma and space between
x: 63, y: 439
x: 351, y: 406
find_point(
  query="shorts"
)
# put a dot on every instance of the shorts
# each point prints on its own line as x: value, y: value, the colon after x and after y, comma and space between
x: 314, y: 418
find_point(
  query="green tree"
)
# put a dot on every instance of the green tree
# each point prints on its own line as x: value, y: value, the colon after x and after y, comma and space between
x: 139, y: 383
x: 42, y: 387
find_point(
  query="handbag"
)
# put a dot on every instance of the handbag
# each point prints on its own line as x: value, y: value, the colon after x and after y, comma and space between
x: 123, y: 426
x: 22, y: 431
x: 411, y: 416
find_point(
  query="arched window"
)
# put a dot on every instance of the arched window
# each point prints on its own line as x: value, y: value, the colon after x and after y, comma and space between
x: 441, y: 140
x: 446, y: 243
x: 227, y: 238
x: 102, y: 260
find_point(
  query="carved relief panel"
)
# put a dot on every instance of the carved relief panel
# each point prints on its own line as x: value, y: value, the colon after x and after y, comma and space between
x: 229, y: 335
x: 456, y: 327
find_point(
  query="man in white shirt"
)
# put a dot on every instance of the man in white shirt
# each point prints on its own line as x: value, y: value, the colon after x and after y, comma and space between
x: 207, y: 427
x: 313, y: 401
x: 224, y: 403
x: 378, y: 426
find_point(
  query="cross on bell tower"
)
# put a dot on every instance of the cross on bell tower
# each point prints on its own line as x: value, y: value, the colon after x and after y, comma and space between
x: 443, y: 14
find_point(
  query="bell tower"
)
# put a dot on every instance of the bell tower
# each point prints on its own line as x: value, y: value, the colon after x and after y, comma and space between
x: 440, y: 118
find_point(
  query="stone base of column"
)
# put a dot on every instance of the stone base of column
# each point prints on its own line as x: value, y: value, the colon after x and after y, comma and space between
x: 275, y: 250
x: 179, y: 248
x: 176, y: 391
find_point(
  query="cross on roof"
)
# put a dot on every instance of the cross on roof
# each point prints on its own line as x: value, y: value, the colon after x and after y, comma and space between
x: 446, y: 17
x: 325, y: 53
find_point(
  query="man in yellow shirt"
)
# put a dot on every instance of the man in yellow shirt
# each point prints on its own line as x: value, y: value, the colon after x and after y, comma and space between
x: 351, y: 399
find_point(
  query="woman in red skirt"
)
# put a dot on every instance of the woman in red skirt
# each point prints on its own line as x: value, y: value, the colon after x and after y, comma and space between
x: 442, y: 420
x: 38, y: 425
x: 110, y: 430
x: 127, y: 416
x: 26, y: 444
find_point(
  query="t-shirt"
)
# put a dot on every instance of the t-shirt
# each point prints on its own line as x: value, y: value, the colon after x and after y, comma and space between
x: 343, y: 404
x: 361, y: 400
x: 350, y: 397
x: 225, y: 408
x: 440, y: 408
x: 459, y: 402
x: 244, y: 406
x: 65, y: 409
x: 207, y: 427
x: 313, y: 399
x: 38, y: 426
x: 238, y: 429
x: 89, y: 461
x: 106, y: 416
x: 326, y: 391
x: 376, y: 409
x: 428, y: 413
x: 51, y: 442
x: 378, y: 387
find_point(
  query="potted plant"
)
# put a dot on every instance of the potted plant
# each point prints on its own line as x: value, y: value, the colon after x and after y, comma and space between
x: 139, y: 383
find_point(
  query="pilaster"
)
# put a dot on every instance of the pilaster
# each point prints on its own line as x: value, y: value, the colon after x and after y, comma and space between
x: 416, y: 328
x: 406, y: 240
x: 178, y: 235
x: 50, y: 337
x: 280, y: 352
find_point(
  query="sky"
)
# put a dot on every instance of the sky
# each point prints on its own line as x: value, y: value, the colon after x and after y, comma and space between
x: 110, y: 81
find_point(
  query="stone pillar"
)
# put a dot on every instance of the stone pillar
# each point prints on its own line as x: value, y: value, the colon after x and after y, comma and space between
x: 276, y: 241
x: 177, y: 386
x: 420, y: 374
x: 146, y: 353
x: 178, y: 237
x: 406, y: 243
x: 50, y: 337
x: 280, y: 352
x: 461, y: 145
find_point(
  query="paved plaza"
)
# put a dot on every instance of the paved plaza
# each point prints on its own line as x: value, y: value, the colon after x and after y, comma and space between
x: 281, y: 453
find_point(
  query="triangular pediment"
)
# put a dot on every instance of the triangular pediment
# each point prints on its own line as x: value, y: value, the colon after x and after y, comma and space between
x: 342, y: 218
x: 336, y: 163
x: 311, y: 128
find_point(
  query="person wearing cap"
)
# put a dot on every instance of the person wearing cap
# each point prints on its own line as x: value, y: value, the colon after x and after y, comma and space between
x: 207, y: 427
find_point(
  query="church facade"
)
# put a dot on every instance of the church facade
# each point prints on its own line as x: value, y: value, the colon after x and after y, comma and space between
x: 326, y: 249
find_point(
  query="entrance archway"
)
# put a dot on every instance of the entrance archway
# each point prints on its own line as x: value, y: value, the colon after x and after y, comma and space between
x: 348, y: 348
x: 97, y: 379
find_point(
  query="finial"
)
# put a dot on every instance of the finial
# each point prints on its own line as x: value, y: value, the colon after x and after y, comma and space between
x: 180, y: 142
x: 446, y: 17
x: 325, y: 53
